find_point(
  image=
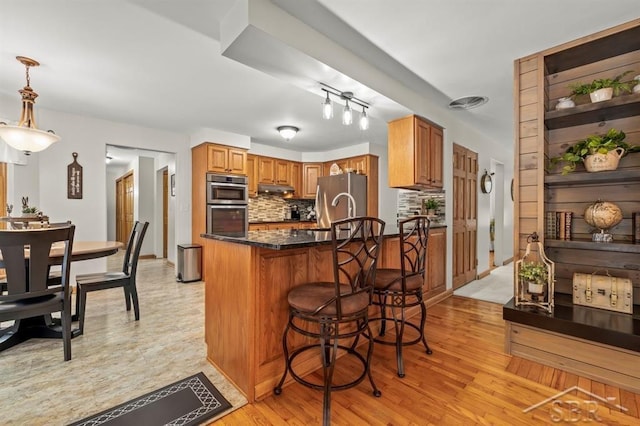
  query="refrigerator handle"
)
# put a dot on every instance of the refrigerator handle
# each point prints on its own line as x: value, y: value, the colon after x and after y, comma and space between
x: 317, y: 206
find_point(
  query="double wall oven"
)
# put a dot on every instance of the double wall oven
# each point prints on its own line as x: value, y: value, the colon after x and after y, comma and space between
x: 227, y: 205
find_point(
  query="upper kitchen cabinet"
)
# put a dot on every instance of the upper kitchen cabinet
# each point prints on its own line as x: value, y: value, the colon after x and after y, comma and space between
x: 296, y: 177
x: 226, y: 159
x: 310, y: 174
x: 415, y: 153
x: 274, y: 171
x: 252, y: 174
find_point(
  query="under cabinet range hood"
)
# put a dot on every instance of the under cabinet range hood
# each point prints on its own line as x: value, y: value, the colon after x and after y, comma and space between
x: 267, y: 188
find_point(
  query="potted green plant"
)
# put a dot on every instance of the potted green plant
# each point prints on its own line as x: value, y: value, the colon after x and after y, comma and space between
x: 534, y: 275
x: 431, y: 205
x: 598, y: 152
x: 602, y: 89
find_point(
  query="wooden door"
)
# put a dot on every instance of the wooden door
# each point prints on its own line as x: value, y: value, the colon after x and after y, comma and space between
x: 165, y: 212
x: 465, y: 212
x: 119, y: 208
x: 129, y: 189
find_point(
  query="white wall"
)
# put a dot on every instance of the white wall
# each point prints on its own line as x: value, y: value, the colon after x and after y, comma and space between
x: 145, y: 202
x: 88, y: 137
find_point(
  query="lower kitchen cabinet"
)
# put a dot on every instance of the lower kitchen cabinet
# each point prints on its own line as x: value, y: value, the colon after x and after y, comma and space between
x: 435, y: 281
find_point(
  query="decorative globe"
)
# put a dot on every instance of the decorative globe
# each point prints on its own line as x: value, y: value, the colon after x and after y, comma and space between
x: 603, y: 215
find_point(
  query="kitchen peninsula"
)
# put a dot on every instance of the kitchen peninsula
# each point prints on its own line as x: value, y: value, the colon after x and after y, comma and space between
x: 247, y: 281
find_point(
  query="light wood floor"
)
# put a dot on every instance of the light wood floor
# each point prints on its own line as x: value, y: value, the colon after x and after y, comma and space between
x: 467, y: 380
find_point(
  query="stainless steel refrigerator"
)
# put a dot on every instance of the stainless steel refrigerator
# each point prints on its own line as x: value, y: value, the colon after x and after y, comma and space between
x: 331, y: 186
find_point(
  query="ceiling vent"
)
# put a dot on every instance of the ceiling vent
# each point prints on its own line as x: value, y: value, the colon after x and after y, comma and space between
x: 468, y: 102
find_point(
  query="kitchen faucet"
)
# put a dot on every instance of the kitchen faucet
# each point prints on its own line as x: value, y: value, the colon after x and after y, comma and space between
x: 352, y: 203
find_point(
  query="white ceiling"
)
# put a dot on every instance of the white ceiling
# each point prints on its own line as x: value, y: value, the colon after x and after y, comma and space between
x: 157, y: 63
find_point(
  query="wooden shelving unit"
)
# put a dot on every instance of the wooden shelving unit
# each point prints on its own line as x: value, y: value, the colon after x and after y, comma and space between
x: 574, y: 338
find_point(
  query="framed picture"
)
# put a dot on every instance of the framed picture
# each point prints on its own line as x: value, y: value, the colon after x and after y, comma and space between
x: 173, y: 185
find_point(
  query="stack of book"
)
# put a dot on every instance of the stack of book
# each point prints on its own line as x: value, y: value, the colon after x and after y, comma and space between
x: 558, y: 225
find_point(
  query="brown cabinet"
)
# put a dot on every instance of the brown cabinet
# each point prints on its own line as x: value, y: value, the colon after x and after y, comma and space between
x: 274, y: 171
x: 266, y: 170
x: 281, y: 225
x: 295, y: 179
x: 435, y: 281
x: 252, y: 174
x: 436, y: 278
x: 282, y: 172
x: 225, y: 159
x: 415, y: 148
x: 310, y: 174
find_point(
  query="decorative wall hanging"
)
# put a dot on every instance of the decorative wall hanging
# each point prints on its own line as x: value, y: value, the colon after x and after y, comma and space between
x: 74, y: 179
x: 486, y: 182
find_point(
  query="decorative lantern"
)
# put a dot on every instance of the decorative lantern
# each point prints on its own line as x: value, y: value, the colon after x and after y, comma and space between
x: 534, y: 277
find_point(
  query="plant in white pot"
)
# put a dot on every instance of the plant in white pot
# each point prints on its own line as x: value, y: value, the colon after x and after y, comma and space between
x: 598, y: 152
x: 534, y: 275
x: 602, y: 89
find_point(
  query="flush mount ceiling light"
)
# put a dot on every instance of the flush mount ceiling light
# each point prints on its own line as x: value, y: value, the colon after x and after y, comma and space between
x: 288, y: 132
x: 347, y: 112
x: 25, y: 136
x: 468, y: 102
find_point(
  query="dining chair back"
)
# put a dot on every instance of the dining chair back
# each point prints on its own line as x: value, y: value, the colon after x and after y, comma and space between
x: 332, y: 315
x: 25, y: 257
x: 400, y: 288
x: 126, y: 278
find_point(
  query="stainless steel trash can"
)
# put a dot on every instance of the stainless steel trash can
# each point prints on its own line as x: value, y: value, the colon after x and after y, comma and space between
x: 189, y: 262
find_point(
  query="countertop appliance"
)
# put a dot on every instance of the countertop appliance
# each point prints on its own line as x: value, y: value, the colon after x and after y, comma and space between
x: 346, y: 185
x: 227, y: 205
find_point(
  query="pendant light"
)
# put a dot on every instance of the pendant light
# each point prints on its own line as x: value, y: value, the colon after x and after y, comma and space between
x: 25, y: 136
x: 364, y: 120
x: 347, y: 114
x: 327, y: 108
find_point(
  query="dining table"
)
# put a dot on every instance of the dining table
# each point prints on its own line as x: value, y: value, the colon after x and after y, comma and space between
x: 46, y: 326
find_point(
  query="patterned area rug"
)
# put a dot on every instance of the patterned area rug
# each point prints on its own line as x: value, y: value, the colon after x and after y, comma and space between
x: 187, y: 402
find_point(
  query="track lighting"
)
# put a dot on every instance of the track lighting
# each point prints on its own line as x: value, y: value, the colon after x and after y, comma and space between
x: 347, y: 112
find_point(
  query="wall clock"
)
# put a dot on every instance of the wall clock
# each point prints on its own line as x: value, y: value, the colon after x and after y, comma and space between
x: 486, y: 182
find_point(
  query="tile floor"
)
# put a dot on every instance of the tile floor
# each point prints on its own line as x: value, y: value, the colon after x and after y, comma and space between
x: 117, y: 358
x: 496, y: 287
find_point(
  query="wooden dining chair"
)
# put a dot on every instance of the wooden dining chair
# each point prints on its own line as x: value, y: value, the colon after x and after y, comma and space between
x: 398, y: 289
x: 25, y: 257
x: 331, y: 316
x: 126, y: 278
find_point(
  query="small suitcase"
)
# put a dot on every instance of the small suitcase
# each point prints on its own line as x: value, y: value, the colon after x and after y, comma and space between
x: 603, y: 291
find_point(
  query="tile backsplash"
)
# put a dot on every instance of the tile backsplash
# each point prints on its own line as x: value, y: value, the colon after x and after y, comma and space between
x: 410, y: 203
x: 273, y: 208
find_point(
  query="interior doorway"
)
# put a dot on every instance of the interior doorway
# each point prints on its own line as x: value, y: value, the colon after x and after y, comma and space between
x: 465, y: 215
x: 152, y: 197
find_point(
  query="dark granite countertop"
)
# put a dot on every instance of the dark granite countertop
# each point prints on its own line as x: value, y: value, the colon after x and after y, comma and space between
x: 280, y: 221
x: 292, y: 238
